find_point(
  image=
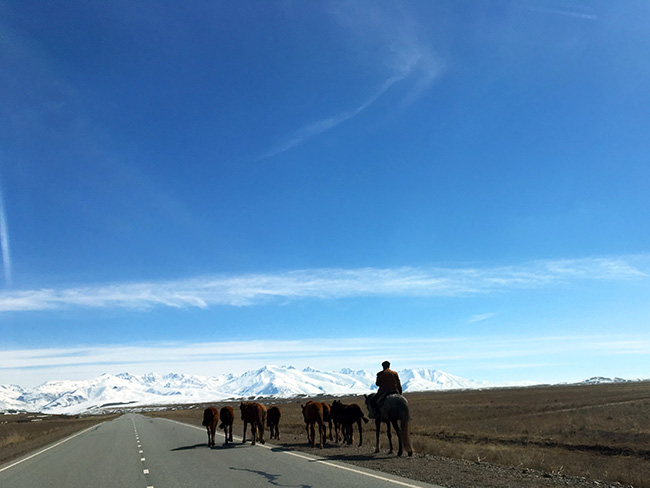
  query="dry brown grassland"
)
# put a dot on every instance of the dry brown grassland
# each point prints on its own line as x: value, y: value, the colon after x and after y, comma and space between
x: 23, y: 433
x: 600, y: 432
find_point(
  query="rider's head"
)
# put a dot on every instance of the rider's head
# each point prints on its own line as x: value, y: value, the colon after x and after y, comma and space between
x: 385, y: 365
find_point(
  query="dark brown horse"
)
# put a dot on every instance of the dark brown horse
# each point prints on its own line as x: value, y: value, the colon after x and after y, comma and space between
x: 312, y: 412
x: 273, y: 415
x: 254, y: 414
x: 345, y: 416
x: 394, y: 409
x: 210, y: 420
x: 227, y: 418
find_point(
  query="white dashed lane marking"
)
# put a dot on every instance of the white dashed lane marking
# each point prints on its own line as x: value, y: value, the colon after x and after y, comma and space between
x: 140, y: 450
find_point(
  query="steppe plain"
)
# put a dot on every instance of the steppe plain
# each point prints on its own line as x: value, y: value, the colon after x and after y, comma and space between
x: 546, y: 436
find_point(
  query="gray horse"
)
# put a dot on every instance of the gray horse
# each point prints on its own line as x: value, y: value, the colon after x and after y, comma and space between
x: 394, y: 410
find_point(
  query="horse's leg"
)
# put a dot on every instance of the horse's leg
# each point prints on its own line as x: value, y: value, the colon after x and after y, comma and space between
x: 230, y: 431
x: 390, y: 438
x: 207, y: 429
x: 260, y: 432
x: 360, y: 432
x: 398, y: 433
x: 312, y: 433
x: 322, y: 434
x: 377, y: 432
x: 243, y: 440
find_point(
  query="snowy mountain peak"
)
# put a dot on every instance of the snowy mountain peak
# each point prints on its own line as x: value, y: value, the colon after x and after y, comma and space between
x: 73, y: 397
x: 598, y: 380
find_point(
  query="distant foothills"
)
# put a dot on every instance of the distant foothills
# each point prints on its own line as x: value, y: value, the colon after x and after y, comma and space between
x: 109, y: 392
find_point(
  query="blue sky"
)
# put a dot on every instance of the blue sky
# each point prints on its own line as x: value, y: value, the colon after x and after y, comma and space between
x: 207, y: 188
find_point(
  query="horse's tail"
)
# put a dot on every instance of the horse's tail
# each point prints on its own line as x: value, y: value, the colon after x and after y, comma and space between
x: 207, y: 417
x: 405, y: 432
x: 365, y: 420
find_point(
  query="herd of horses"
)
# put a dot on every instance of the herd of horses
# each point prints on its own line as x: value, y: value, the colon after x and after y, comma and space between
x: 340, y: 417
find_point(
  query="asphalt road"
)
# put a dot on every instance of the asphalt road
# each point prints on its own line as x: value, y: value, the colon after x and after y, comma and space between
x: 135, y: 451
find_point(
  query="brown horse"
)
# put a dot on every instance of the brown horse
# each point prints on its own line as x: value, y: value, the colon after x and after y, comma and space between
x: 394, y: 409
x: 227, y: 418
x: 345, y: 416
x: 327, y: 418
x: 273, y: 421
x: 254, y: 414
x: 210, y: 420
x: 312, y: 412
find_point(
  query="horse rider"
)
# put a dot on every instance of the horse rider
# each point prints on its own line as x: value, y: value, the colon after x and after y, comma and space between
x: 388, y: 382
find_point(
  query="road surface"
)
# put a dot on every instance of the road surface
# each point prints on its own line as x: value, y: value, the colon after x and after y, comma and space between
x: 135, y: 451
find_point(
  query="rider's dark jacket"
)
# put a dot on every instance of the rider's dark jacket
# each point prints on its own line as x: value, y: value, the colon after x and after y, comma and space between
x: 388, y: 382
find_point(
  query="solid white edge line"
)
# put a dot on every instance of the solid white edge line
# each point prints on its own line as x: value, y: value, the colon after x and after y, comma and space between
x: 48, y: 448
x: 313, y: 458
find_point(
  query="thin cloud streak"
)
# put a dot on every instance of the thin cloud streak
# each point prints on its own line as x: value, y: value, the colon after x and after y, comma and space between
x: 564, y: 12
x: 328, y: 284
x: 4, y: 241
x: 480, y: 318
x: 326, y: 124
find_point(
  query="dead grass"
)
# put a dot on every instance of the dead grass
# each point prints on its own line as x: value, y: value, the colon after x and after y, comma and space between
x: 596, y: 431
x: 23, y: 433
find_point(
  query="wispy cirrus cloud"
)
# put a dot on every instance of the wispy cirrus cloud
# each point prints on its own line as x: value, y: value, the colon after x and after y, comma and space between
x: 480, y: 317
x: 322, y: 125
x: 583, y: 13
x: 398, y: 51
x: 328, y: 283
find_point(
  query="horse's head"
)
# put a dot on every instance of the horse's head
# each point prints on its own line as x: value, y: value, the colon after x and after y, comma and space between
x: 373, y: 411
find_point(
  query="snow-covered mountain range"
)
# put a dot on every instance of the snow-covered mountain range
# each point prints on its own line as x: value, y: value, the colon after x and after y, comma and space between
x: 111, y: 391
